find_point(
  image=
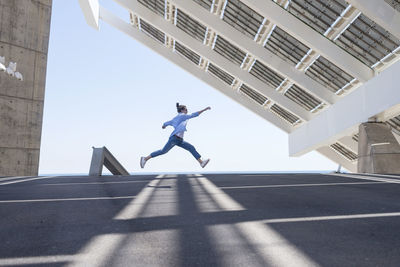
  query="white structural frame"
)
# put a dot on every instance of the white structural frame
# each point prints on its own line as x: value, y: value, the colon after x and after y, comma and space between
x: 209, y: 54
x: 377, y: 97
x: 372, y: 98
x: 342, y: 22
x: 188, y: 66
x: 91, y: 11
x: 256, y: 49
x: 380, y: 12
x: 311, y: 38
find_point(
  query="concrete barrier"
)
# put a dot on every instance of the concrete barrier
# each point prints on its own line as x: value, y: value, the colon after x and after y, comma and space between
x: 378, y: 149
x: 102, y: 157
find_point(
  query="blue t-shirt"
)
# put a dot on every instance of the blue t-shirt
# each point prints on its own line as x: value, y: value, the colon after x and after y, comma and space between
x: 179, y: 123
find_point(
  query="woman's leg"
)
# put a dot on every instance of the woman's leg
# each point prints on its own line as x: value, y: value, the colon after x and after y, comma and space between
x: 170, y: 144
x: 172, y: 141
x: 191, y: 149
x: 196, y: 155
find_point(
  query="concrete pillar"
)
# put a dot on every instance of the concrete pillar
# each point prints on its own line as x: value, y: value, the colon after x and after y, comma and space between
x: 378, y: 149
x: 24, y: 38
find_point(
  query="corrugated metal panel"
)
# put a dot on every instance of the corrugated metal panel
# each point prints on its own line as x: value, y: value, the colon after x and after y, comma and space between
x: 395, y: 123
x: 286, y: 46
x: 229, y: 51
x: 394, y: 3
x: 187, y: 53
x: 157, y: 6
x: 243, y: 18
x: 284, y: 114
x: 152, y: 31
x: 204, y: 3
x: 190, y: 26
x: 265, y: 74
x: 355, y: 137
x: 319, y: 15
x: 367, y: 41
x: 224, y: 76
x: 345, y: 152
x: 328, y: 74
x: 301, y: 97
x: 253, y: 94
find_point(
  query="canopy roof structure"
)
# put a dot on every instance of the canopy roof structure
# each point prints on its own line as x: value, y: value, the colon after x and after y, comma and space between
x: 316, y: 69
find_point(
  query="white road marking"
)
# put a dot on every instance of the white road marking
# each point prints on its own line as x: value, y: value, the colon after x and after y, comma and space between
x: 275, y: 174
x: 365, y: 177
x: 26, y: 180
x: 294, y: 185
x: 36, y: 260
x: 96, y: 183
x: 334, y: 217
x: 397, y: 177
x: 63, y: 199
x: 14, y: 177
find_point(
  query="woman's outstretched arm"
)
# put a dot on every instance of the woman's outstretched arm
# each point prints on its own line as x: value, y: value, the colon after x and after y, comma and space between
x: 201, y: 111
x: 194, y: 114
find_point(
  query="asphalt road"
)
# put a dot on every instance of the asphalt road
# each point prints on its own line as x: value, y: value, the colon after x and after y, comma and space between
x: 200, y: 220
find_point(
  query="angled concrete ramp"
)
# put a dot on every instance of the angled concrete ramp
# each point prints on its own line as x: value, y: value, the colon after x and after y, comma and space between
x: 103, y: 157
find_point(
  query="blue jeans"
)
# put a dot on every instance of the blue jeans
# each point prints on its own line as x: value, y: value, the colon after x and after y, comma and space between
x: 175, y: 141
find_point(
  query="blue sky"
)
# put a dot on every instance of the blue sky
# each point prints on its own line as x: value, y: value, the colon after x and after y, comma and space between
x: 104, y: 88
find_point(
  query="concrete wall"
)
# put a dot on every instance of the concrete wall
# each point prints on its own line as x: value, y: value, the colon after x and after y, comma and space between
x: 24, y: 38
x: 378, y: 149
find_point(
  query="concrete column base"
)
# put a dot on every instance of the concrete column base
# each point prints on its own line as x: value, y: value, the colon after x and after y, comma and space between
x: 378, y: 149
x: 24, y: 38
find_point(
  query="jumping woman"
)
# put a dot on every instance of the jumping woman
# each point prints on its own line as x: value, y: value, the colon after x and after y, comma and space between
x: 176, y: 137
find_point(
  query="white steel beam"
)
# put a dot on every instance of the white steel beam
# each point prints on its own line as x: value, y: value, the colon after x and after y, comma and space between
x: 336, y: 157
x: 342, y: 22
x: 212, y: 56
x: 90, y: 9
x: 333, y: 32
x: 343, y: 118
x: 311, y: 38
x: 191, y: 68
x: 218, y: 6
x: 256, y: 49
x: 381, y: 13
x: 388, y: 114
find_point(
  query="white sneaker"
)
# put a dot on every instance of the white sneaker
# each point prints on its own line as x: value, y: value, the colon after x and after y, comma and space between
x: 204, y: 163
x: 142, y: 162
